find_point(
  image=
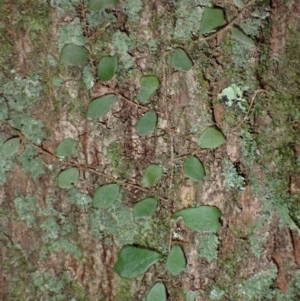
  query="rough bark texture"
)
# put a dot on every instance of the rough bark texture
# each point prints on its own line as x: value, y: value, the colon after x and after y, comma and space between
x: 55, y: 245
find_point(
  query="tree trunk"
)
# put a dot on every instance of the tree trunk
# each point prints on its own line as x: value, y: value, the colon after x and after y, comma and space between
x: 228, y: 65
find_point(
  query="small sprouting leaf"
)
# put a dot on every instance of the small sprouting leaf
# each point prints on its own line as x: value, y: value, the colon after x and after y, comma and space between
x: 157, y: 292
x: 193, y: 168
x: 241, y: 37
x: 180, y: 60
x: 151, y: 175
x: 66, y: 148
x: 202, y: 218
x: 100, y: 106
x: 211, y: 19
x: 134, y: 261
x: 98, y: 5
x: 149, y: 84
x: 147, y: 123
x: 106, y: 195
x: 68, y: 177
x: 145, y: 207
x: 74, y: 55
x: 211, y: 138
x: 10, y: 146
x: 107, y: 67
x: 176, y: 261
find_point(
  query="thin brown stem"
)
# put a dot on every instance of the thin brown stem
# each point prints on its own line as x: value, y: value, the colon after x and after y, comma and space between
x: 83, y: 167
x: 250, y: 108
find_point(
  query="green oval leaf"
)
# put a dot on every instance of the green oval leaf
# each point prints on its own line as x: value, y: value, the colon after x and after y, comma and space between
x: 193, y: 168
x: 242, y: 38
x: 176, y: 261
x: 68, y: 177
x: 100, y: 106
x: 180, y: 60
x: 147, y: 123
x: 149, y: 84
x: 66, y: 148
x: 157, y: 292
x: 211, y: 138
x: 145, y: 207
x: 10, y: 146
x: 106, y: 195
x: 134, y: 261
x: 107, y: 67
x: 98, y: 5
x: 212, y: 18
x: 74, y: 55
x: 202, y: 218
x: 151, y: 175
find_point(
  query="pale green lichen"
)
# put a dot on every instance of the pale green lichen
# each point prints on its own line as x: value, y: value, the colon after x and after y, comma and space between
x: 31, y: 163
x: 191, y: 295
x: 26, y: 208
x: 71, y: 33
x: 216, y: 293
x: 64, y: 6
x: 49, y: 285
x: 3, y: 109
x: 50, y: 229
x: 88, y: 77
x: 66, y: 246
x: 96, y: 19
x: 118, y: 162
x: 51, y: 60
x: 21, y: 93
x: 257, y: 242
x: 153, y: 45
x: 207, y: 243
x: 132, y: 9
x: 249, y: 147
x: 257, y: 287
x: 188, y: 15
x: 252, y: 25
x: 115, y: 221
x: 232, y: 179
x: 239, y: 4
x: 121, y: 43
x: 83, y: 201
x: 6, y: 164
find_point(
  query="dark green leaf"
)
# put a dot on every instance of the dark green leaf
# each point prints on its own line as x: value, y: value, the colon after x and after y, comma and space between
x: 67, y: 178
x: 212, y: 18
x: 98, y: 5
x: 66, y: 148
x: 74, y: 55
x: 211, y: 138
x: 149, y: 84
x: 241, y: 37
x: 151, y: 175
x: 193, y: 168
x: 100, y: 106
x: 157, y: 292
x: 10, y: 146
x: 202, y: 218
x: 135, y: 261
x: 147, y: 123
x: 180, y: 60
x: 176, y: 261
x: 145, y: 207
x: 107, y: 68
x: 106, y: 195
